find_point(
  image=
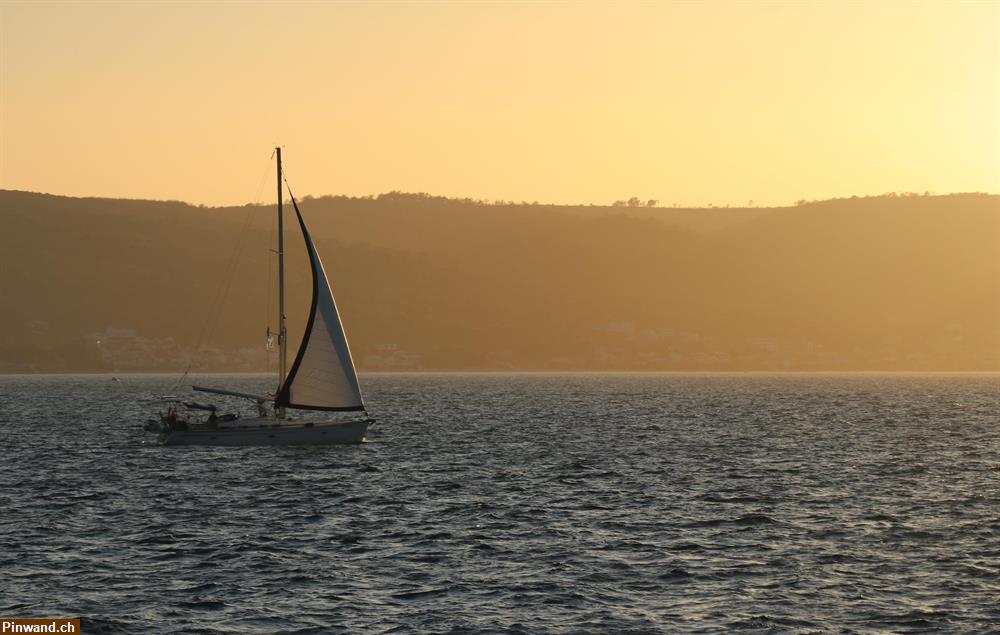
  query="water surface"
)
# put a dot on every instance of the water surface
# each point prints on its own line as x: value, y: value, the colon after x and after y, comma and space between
x: 517, y: 503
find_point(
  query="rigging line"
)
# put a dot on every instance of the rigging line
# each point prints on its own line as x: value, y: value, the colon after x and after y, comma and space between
x: 260, y: 183
x: 211, y: 321
x: 267, y: 257
x: 287, y: 186
x: 231, y: 270
x: 208, y: 325
x: 269, y: 288
x: 230, y: 274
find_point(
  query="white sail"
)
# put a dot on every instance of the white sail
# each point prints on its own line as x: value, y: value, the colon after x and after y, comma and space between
x: 322, y: 376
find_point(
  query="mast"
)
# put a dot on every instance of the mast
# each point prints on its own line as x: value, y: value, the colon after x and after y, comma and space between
x: 282, y: 348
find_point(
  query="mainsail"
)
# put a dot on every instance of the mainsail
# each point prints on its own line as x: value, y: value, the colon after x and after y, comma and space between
x: 322, y: 376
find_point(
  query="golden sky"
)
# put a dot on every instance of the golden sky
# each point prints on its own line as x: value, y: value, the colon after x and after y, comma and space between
x: 566, y: 102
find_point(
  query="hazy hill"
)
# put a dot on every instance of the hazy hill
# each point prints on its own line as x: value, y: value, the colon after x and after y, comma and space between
x: 907, y: 282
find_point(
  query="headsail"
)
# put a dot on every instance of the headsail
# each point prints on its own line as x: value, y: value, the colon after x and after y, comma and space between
x: 322, y: 376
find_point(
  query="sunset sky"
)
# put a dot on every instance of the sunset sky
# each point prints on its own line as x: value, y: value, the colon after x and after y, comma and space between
x: 688, y: 103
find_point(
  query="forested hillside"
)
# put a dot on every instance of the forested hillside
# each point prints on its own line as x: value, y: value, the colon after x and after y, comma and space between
x: 422, y: 282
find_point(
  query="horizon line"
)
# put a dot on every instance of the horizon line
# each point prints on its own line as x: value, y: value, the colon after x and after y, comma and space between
x: 621, y: 204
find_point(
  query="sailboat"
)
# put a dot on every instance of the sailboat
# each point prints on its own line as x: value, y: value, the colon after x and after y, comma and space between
x: 322, y: 376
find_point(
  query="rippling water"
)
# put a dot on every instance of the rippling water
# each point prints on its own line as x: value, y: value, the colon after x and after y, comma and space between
x: 517, y: 503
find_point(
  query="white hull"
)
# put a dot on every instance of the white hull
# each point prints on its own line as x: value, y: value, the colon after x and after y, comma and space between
x: 304, y: 433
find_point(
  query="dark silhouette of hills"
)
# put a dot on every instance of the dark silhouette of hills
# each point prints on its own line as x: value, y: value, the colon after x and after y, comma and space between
x: 878, y: 283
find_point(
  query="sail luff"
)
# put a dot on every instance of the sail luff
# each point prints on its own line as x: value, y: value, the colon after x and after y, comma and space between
x: 323, y: 376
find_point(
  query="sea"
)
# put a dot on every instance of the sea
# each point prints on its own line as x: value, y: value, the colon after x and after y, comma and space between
x: 515, y: 503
